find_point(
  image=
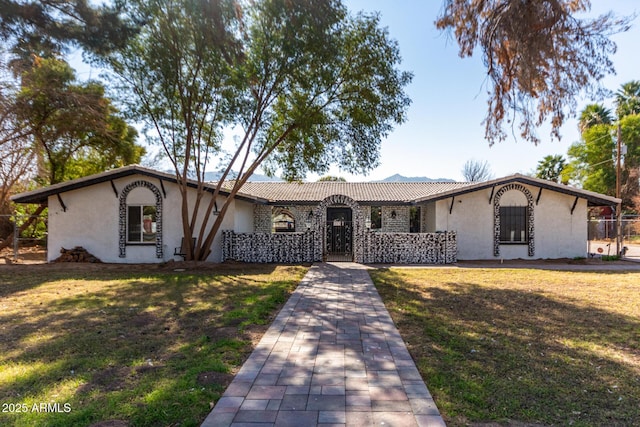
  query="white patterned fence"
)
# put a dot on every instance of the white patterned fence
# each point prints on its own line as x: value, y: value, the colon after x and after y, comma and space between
x: 288, y: 248
x: 410, y: 248
x: 383, y: 248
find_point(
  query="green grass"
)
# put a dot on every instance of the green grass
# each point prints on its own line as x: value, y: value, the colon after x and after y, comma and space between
x: 150, y: 347
x: 522, y: 346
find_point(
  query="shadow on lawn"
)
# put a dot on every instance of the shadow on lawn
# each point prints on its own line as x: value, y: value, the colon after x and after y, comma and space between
x: 490, y: 354
x: 153, y: 348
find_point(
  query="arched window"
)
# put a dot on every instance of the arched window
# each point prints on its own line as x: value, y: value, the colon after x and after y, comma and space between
x: 282, y: 220
x: 140, y: 219
x: 513, y: 218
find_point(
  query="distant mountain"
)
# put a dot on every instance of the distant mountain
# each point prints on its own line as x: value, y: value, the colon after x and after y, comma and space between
x: 399, y: 178
x: 256, y: 177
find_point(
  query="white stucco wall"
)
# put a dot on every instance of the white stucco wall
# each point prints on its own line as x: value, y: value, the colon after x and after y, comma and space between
x: 472, y: 219
x: 561, y: 235
x: 557, y: 233
x: 91, y: 220
x: 244, y: 217
x: 429, y: 218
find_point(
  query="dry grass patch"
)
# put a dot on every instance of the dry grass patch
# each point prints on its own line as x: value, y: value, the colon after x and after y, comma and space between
x: 142, y: 345
x: 522, y: 346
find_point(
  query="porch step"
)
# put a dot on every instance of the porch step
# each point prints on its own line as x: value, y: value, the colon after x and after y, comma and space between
x: 339, y: 258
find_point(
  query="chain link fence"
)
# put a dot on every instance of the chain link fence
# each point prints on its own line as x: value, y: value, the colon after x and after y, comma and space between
x: 602, y: 237
x: 26, y: 246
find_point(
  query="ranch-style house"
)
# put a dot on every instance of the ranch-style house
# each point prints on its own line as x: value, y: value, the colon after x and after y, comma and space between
x: 132, y: 215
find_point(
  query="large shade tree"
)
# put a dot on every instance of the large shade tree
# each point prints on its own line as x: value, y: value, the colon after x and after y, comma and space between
x: 305, y: 83
x: 47, y: 27
x: 35, y: 35
x: 540, y: 56
x: 74, y: 129
x: 16, y: 156
x: 592, y: 159
x: 58, y: 129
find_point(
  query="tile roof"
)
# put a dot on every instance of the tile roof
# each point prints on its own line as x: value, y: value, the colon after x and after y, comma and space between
x: 380, y: 192
x: 402, y: 192
x: 314, y: 192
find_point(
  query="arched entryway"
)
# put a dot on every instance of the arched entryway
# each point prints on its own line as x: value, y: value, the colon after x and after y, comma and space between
x: 338, y: 234
x: 338, y: 218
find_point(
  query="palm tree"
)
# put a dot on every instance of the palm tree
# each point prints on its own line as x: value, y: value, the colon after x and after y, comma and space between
x: 628, y: 99
x: 551, y: 167
x: 594, y: 114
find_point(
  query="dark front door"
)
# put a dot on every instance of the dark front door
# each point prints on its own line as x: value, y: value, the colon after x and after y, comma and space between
x: 339, y: 235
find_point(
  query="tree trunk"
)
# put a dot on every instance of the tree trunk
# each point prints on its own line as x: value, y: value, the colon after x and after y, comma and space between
x: 9, y: 240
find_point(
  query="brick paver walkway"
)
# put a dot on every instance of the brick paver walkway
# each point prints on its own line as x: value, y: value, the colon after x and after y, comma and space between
x: 332, y: 357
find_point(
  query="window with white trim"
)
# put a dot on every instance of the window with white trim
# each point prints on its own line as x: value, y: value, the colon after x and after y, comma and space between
x: 141, y: 224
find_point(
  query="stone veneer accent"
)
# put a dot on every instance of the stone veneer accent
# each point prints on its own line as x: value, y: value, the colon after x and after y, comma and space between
x: 399, y: 224
x: 357, y: 218
x: 262, y: 219
x: 392, y: 244
x: 531, y: 247
x: 263, y: 216
x: 411, y: 248
x: 271, y: 247
x: 122, y: 217
x: 376, y: 247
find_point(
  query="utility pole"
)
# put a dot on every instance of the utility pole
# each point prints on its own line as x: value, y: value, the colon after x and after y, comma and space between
x: 618, y: 192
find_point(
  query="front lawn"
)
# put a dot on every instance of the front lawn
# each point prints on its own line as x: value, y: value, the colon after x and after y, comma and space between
x: 522, y: 346
x: 145, y: 346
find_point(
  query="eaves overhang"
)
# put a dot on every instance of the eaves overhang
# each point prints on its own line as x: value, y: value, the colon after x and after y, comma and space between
x: 593, y: 199
x: 40, y: 196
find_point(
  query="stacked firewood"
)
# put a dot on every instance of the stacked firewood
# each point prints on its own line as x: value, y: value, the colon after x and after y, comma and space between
x: 77, y: 254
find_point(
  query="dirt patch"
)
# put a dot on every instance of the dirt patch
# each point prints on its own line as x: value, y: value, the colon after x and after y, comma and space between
x: 143, y: 320
x: 143, y: 369
x: 37, y: 261
x: 254, y: 333
x: 212, y: 378
x: 110, y: 379
x: 26, y: 255
x: 223, y: 332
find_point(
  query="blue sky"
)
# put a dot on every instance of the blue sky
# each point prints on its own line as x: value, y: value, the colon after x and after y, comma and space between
x: 444, y: 127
